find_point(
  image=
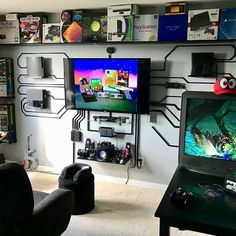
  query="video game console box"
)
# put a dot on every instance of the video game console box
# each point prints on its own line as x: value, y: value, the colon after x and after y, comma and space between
x: 172, y: 27
x: 120, y: 28
x: 71, y: 26
x: 145, y: 27
x: 31, y: 27
x: 94, y: 28
x: 51, y: 33
x: 203, y: 24
x: 9, y: 29
x: 227, y: 24
x: 122, y: 10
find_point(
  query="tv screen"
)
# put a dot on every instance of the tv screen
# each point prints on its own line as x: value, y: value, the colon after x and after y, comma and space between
x: 103, y: 84
x: 208, y: 132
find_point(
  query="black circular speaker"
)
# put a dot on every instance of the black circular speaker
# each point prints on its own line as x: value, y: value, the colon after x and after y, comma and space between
x: 105, y: 152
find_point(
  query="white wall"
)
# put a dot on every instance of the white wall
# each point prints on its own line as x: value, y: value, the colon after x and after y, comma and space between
x: 51, y: 136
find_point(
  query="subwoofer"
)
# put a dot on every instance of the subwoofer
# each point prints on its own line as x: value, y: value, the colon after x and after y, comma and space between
x: 105, y: 151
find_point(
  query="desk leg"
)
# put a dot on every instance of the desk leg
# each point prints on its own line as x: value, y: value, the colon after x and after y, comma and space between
x: 164, y: 228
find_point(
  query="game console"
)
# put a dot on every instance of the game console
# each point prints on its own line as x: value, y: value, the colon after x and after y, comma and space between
x: 37, y: 98
x: 203, y: 24
x: 103, y: 94
x: 35, y: 67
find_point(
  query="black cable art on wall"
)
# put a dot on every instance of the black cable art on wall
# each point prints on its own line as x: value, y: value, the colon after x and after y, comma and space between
x: 23, y: 85
x: 183, y: 86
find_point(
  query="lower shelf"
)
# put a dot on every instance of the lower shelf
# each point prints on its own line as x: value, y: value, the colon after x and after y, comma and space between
x: 115, y: 161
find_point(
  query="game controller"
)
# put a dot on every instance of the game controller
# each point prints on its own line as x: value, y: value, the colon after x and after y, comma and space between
x: 182, y: 198
x: 209, y: 31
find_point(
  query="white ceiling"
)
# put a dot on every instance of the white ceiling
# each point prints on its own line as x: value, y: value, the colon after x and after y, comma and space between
x: 7, y: 6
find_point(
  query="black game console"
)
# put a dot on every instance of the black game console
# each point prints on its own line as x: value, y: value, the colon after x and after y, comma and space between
x: 182, y: 198
x: 200, y: 21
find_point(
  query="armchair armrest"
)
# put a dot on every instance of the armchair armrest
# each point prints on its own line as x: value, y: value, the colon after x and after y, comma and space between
x: 51, y: 216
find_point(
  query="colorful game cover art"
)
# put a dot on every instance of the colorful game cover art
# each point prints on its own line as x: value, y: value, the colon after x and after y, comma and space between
x: 106, y: 84
x: 211, y: 129
x: 31, y: 28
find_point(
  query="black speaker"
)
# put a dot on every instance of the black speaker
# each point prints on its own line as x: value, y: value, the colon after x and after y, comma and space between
x: 105, y: 151
x: 203, y: 64
x: 87, y: 145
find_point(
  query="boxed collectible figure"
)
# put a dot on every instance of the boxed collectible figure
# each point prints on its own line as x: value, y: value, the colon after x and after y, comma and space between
x: 145, y: 27
x: 31, y: 27
x: 122, y: 10
x: 227, y: 24
x: 71, y: 26
x: 203, y: 24
x: 94, y: 28
x: 120, y: 28
x: 172, y: 27
x: 9, y: 29
x: 51, y: 33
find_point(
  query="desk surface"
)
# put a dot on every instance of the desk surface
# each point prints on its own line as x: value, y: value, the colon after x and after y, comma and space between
x: 216, y: 216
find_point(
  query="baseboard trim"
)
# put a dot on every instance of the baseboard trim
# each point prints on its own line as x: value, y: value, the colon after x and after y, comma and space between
x: 111, y: 179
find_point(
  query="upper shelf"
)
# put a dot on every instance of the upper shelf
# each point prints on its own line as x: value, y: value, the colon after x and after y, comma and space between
x: 127, y: 43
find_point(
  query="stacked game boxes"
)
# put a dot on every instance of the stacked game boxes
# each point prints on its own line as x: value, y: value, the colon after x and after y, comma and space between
x: 7, y: 123
x: 173, y: 25
x: 120, y: 22
x: 6, y: 78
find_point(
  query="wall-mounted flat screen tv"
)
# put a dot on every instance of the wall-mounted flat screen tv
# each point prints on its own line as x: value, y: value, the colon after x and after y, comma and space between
x: 105, y: 84
x: 208, y: 132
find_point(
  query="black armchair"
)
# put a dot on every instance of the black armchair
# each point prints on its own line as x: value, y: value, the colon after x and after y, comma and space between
x: 19, y: 216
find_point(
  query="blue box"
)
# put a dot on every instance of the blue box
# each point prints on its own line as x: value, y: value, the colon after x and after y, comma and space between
x: 173, y: 27
x: 227, y: 27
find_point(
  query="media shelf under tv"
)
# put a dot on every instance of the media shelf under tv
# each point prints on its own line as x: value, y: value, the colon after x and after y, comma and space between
x: 112, y: 119
x: 105, y: 156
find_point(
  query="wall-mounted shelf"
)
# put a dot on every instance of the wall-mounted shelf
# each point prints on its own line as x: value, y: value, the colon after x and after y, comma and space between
x: 109, y: 162
x: 124, y: 43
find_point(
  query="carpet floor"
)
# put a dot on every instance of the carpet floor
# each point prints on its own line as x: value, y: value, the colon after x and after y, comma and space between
x: 120, y: 210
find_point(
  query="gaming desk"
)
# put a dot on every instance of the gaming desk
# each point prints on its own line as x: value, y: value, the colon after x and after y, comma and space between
x: 213, y: 216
